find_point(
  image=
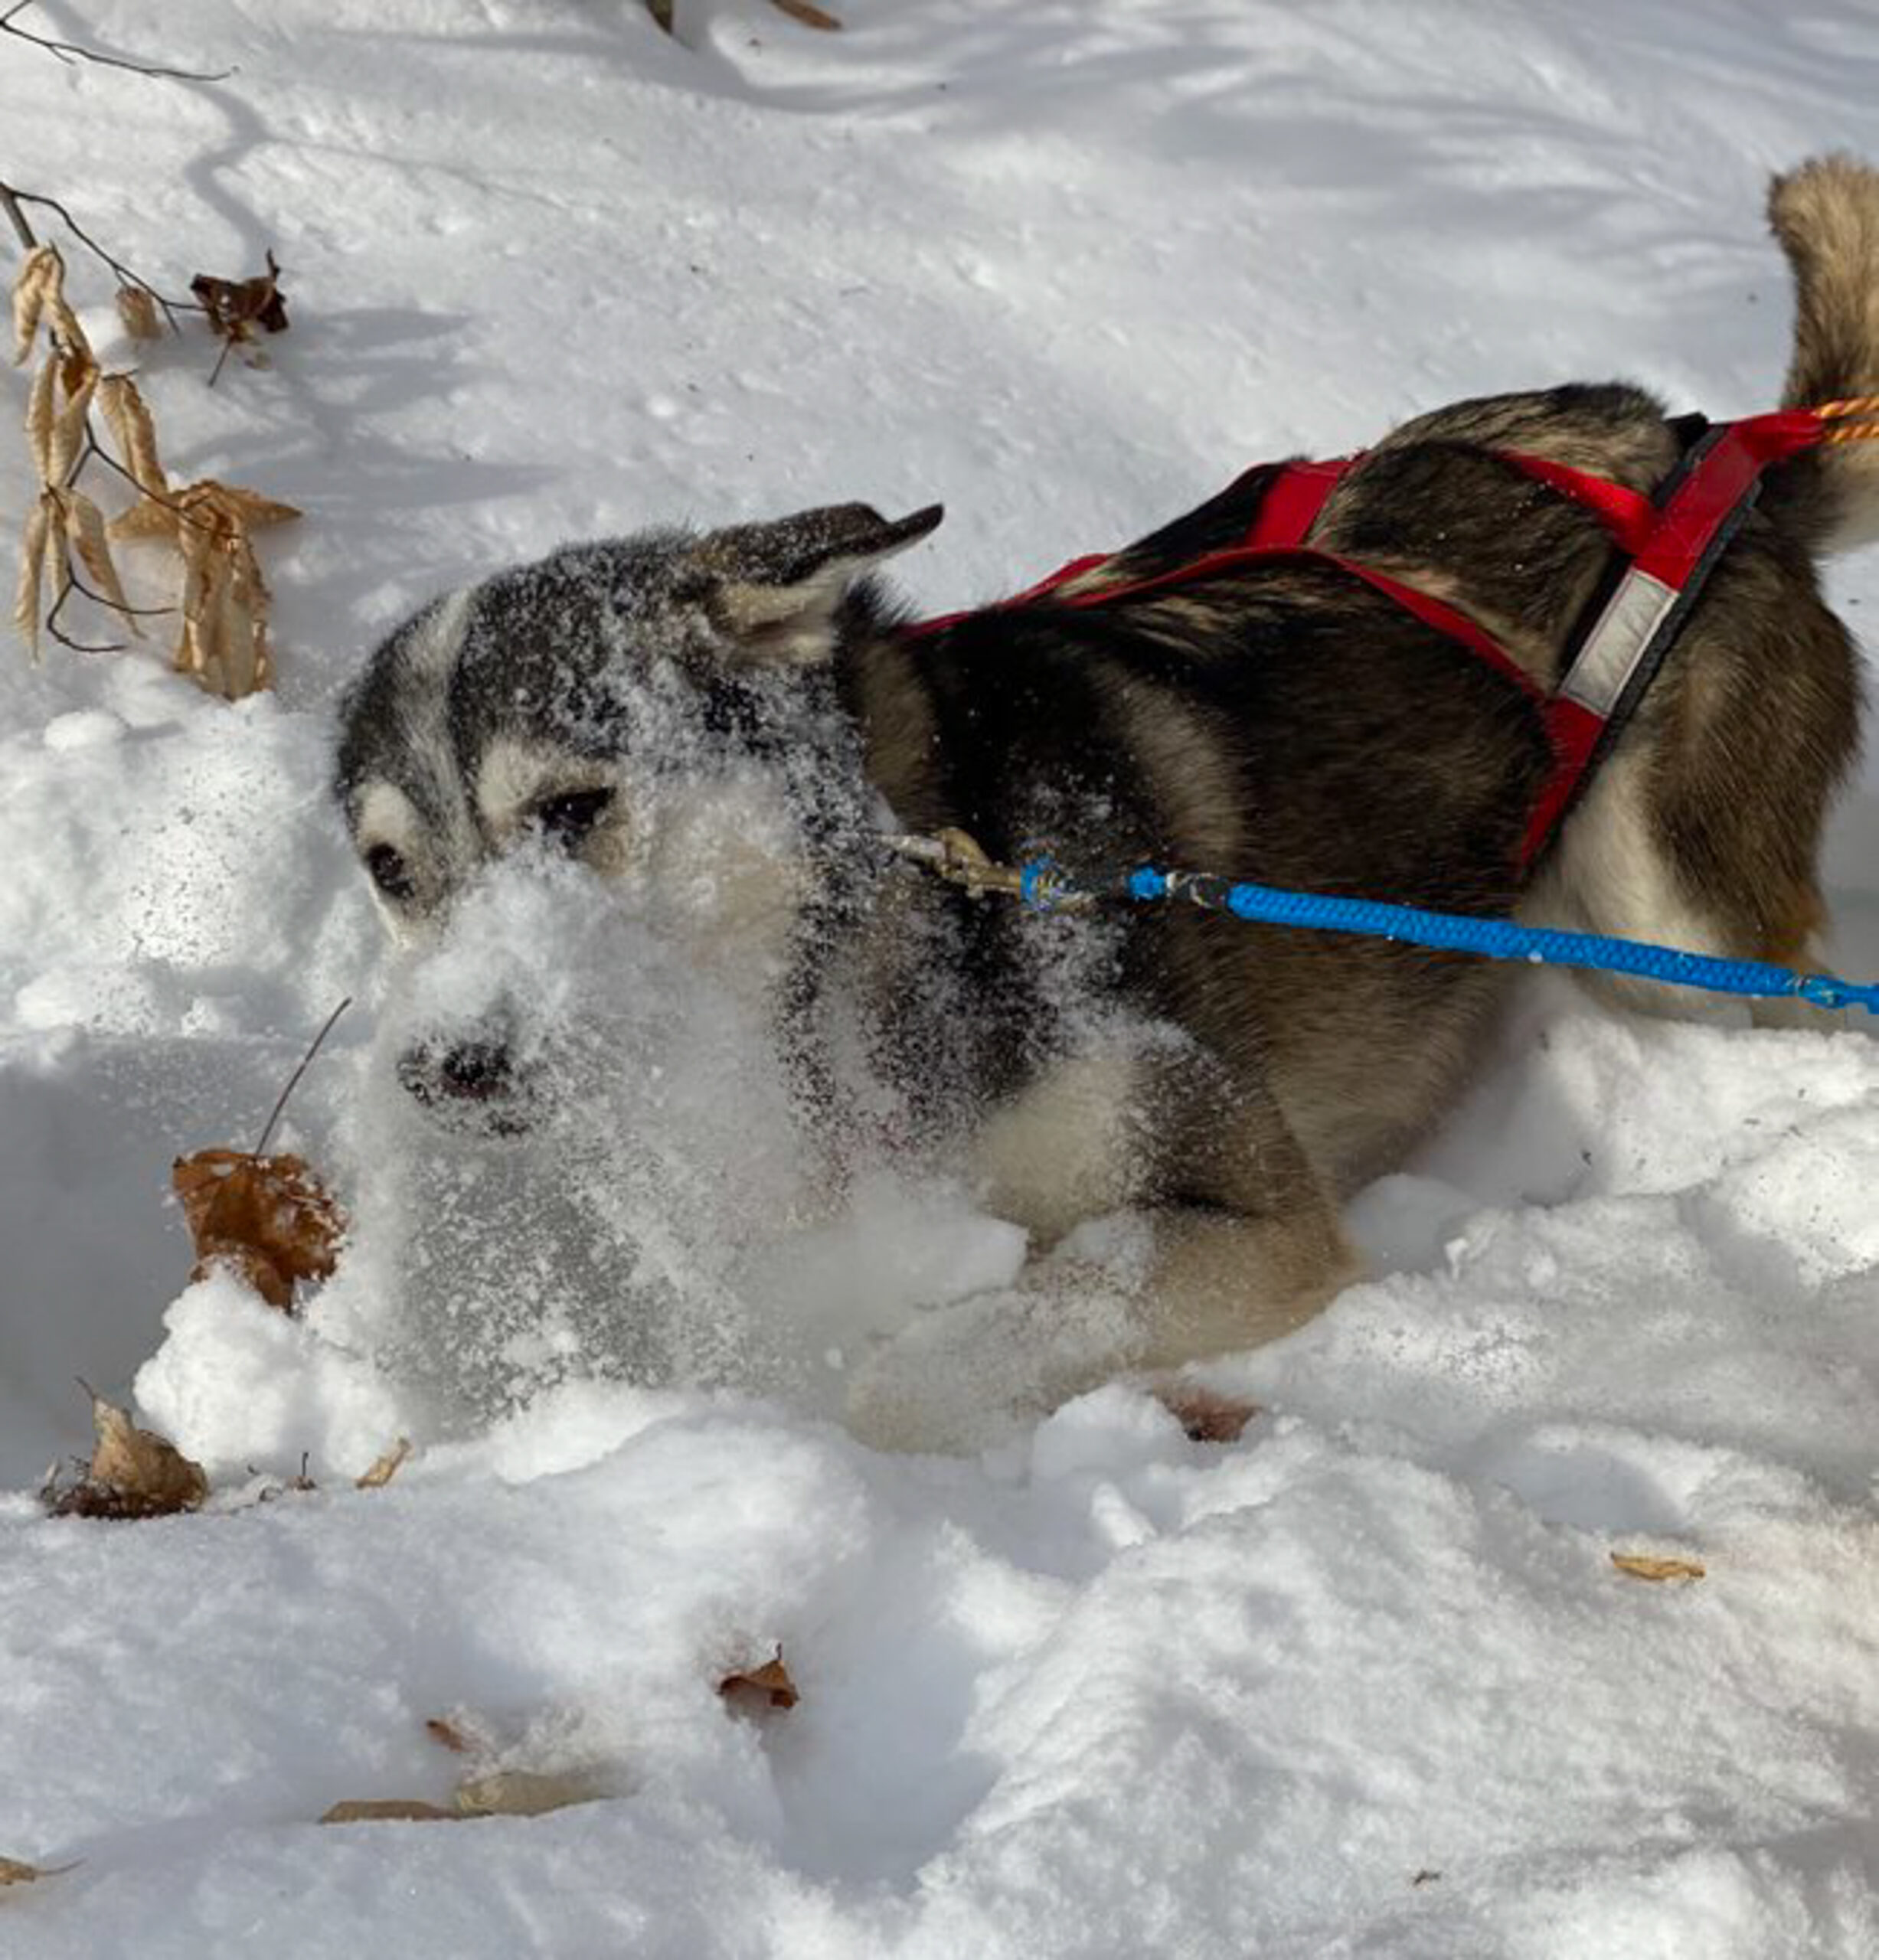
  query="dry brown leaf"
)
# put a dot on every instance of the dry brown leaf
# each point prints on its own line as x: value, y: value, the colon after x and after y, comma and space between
x: 389, y: 1810
x: 148, y: 522
x: 387, y: 1467
x: 137, y: 313
x: 39, y: 299
x: 41, y: 414
x: 69, y: 429
x: 84, y: 525
x: 224, y: 605
x: 526, y: 1792
x: 1641, y: 1565
x: 32, y: 561
x: 41, y: 269
x: 237, y: 306
x: 268, y: 1219
x: 248, y: 507
x: 129, y: 420
x: 220, y: 651
x: 768, y: 1683
x: 133, y: 1473
x: 1206, y: 1417
x: 810, y: 15
x: 141, y: 1463
x: 505, y: 1793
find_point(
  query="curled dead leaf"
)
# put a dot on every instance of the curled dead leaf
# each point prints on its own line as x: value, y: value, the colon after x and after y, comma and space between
x: 268, y: 1220
x: 69, y: 429
x: 41, y: 416
x: 237, y: 306
x: 767, y: 1684
x: 137, y: 313
x: 387, y: 1467
x: 389, y: 1810
x: 32, y: 561
x: 128, y: 417
x: 84, y: 526
x: 1639, y: 1565
x: 134, y: 1473
x: 41, y: 271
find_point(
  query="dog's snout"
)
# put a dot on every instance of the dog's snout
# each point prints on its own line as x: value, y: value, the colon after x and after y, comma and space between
x: 476, y: 1068
x: 465, y: 1071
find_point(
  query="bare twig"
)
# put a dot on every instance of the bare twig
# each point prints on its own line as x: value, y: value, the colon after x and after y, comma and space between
x: 21, y: 229
x: 69, y: 52
x: 75, y: 583
x: 12, y: 196
x: 293, y: 1081
x: 64, y: 638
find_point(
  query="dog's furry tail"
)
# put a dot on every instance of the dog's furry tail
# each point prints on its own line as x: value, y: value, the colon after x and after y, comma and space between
x: 1826, y: 215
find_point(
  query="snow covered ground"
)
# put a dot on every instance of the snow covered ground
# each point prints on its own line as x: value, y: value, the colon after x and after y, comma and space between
x: 1364, y: 1682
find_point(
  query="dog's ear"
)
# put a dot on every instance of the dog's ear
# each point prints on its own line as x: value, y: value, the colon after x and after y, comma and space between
x: 773, y: 589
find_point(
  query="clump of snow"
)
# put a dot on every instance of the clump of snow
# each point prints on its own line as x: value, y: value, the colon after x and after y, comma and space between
x: 1364, y: 1681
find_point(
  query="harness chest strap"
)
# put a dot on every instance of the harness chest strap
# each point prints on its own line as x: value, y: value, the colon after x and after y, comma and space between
x: 1672, y: 542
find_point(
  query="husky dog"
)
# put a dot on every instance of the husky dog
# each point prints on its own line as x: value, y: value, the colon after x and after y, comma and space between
x: 746, y: 712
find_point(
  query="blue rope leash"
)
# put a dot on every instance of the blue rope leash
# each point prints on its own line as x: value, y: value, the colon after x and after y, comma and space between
x: 1044, y: 885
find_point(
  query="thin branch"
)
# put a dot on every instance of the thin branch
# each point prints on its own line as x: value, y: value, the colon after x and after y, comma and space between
x: 75, y: 583
x: 64, y: 638
x: 70, y: 52
x: 21, y: 229
x: 12, y: 196
x: 293, y: 1081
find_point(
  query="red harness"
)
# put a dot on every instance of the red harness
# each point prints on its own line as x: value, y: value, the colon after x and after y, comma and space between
x: 1669, y: 543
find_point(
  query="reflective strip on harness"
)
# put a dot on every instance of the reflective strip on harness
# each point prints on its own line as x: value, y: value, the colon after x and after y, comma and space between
x: 1610, y: 653
x: 1674, y: 542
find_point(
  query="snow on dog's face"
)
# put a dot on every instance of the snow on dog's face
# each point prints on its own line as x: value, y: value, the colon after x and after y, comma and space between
x: 657, y: 712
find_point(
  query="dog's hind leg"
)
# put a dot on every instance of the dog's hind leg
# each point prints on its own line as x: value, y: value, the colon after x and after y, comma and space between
x: 1729, y: 894
x: 1611, y: 872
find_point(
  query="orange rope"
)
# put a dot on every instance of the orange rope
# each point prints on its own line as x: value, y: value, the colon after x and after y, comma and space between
x: 1853, y: 405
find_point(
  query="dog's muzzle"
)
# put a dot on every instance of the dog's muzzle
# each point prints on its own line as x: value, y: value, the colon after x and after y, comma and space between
x: 471, y: 1084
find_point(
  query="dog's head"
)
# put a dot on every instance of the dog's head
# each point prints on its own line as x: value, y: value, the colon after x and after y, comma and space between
x: 653, y: 711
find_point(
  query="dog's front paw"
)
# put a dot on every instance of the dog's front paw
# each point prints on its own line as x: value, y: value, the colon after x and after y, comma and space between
x: 964, y: 1377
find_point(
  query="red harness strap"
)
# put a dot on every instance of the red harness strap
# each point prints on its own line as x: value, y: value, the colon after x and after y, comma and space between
x: 1672, y: 543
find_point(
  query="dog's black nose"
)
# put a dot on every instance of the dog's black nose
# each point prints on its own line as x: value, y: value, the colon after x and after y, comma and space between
x: 469, y: 1071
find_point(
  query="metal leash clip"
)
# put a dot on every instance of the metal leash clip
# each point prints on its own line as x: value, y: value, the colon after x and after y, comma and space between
x: 958, y: 857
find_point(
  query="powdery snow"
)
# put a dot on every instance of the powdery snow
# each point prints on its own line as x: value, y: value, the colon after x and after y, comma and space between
x: 1364, y: 1682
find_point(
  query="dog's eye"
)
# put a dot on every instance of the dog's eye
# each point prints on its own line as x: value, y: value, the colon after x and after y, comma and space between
x: 390, y: 872
x: 569, y: 820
